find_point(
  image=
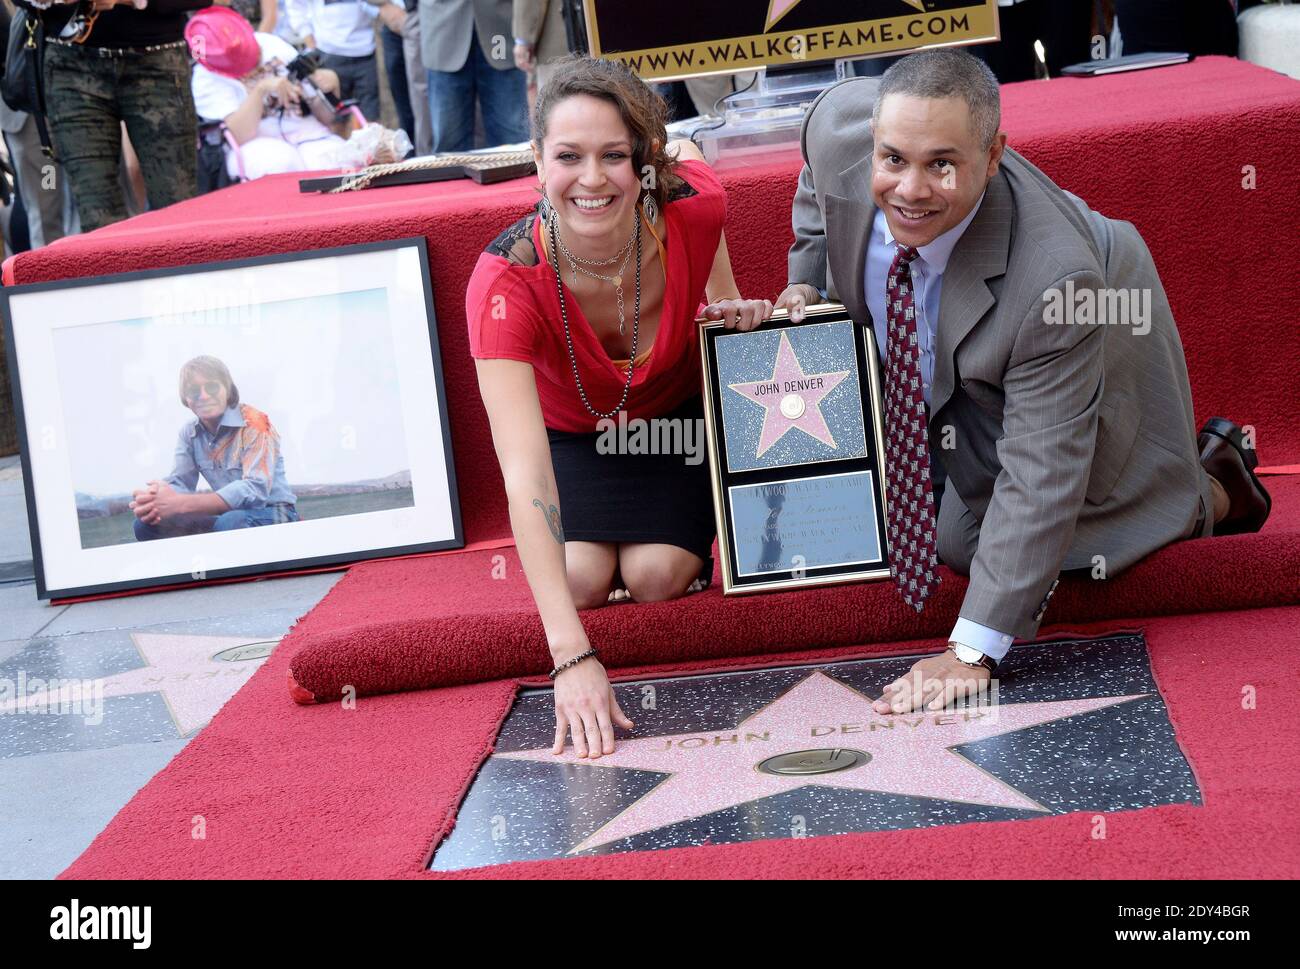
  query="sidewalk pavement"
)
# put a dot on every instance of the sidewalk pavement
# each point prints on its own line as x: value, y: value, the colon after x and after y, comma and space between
x: 63, y: 776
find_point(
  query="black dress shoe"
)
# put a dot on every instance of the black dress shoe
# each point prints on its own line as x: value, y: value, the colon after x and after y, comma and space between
x: 1225, y: 458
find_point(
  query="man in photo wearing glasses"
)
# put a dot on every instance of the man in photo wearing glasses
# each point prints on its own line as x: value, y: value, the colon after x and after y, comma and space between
x: 237, y: 452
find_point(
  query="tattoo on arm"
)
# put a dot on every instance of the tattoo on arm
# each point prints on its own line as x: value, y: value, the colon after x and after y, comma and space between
x: 552, y: 520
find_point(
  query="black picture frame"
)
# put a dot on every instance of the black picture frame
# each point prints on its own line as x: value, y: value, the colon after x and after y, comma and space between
x: 32, y: 472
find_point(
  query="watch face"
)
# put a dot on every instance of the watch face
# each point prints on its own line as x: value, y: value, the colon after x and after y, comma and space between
x: 967, y: 654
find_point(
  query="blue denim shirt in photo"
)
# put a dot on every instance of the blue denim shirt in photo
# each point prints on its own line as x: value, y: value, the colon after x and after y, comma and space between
x: 242, y: 463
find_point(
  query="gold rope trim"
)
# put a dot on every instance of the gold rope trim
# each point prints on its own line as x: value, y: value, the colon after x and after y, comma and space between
x: 363, y: 178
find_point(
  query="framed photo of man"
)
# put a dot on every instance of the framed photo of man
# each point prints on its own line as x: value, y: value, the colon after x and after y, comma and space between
x: 796, y: 449
x: 231, y: 419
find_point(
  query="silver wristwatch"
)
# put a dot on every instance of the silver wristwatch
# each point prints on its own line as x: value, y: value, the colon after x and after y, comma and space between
x: 970, y: 656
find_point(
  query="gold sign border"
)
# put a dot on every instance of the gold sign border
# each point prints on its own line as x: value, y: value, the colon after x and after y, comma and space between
x: 868, y: 337
x: 984, y: 28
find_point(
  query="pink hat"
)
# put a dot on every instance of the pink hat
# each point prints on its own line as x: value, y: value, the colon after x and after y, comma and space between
x: 222, y: 41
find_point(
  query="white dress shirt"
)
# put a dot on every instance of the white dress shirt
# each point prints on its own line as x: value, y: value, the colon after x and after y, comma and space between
x: 344, y: 27
x: 927, y: 284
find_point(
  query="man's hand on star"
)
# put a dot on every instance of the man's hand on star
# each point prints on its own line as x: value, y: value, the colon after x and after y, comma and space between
x: 933, y: 683
x: 796, y: 298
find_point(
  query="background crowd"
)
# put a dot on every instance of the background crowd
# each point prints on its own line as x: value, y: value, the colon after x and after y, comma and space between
x: 148, y: 102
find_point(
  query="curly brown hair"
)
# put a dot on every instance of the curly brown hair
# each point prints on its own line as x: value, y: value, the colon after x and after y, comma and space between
x: 643, y: 112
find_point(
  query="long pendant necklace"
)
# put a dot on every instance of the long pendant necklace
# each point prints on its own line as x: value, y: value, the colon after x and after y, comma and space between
x: 615, y: 280
x: 568, y: 337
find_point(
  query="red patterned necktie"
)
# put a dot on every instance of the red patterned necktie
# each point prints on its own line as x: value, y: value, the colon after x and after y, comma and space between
x: 913, y: 558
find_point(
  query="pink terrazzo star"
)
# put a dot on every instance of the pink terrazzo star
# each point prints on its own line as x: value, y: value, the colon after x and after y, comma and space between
x: 910, y: 755
x: 776, y: 9
x: 791, y: 398
x: 193, y: 684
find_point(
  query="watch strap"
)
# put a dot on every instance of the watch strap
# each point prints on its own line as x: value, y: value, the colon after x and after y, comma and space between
x: 985, y: 661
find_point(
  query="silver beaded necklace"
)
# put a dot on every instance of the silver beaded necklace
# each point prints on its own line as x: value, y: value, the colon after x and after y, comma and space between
x: 627, y: 247
x: 616, y: 280
x: 564, y: 315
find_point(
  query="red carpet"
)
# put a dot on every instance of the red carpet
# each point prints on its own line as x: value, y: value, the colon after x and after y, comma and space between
x: 446, y: 621
x: 325, y: 792
x: 1162, y: 148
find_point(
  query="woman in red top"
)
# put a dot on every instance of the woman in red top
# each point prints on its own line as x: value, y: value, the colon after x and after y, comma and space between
x: 583, y: 309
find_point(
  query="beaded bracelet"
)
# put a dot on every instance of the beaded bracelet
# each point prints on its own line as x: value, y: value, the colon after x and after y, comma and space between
x: 572, y: 662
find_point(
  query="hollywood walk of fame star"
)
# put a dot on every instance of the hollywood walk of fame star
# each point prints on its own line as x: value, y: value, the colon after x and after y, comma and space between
x: 193, y: 684
x: 909, y: 755
x: 791, y: 398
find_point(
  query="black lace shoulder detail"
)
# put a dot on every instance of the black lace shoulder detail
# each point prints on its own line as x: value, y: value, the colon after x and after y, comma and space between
x: 516, y: 243
x: 682, y: 190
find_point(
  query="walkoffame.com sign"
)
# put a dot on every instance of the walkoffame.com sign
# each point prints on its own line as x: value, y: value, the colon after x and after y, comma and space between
x: 665, y: 39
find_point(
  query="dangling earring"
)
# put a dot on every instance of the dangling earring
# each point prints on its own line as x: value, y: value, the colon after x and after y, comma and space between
x: 544, y: 206
x: 650, y: 208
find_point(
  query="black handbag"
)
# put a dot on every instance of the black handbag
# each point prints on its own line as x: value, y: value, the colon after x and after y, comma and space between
x: 23, y: 85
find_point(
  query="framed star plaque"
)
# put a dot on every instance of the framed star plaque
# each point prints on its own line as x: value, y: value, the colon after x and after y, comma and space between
x: 795, y: 440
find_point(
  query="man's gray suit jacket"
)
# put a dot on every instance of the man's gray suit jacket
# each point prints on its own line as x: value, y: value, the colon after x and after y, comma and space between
x: 446, y: 27
x: 1074, y: 445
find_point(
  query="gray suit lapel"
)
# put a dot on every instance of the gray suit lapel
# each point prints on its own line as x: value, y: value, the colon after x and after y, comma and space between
x: 848, y: 230
x: 980, y: 254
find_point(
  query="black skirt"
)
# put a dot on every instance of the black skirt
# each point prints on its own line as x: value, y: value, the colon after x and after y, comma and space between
x: 609, y: 494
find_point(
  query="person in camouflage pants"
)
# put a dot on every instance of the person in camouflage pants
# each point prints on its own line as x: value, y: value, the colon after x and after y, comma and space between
x: 88, y: 91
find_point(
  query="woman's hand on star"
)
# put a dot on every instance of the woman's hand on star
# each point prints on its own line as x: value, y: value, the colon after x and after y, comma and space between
x: 739, y: 314
x: 585, y: 707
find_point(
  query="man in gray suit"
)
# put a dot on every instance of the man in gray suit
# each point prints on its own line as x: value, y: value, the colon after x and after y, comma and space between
x: 1037, y: 407
x: 468, y: 49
